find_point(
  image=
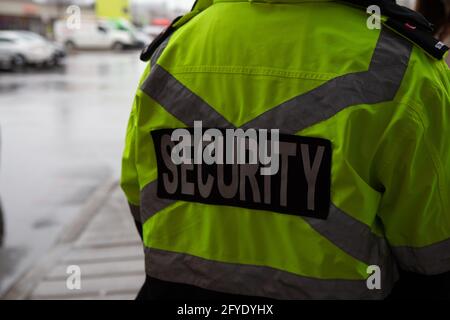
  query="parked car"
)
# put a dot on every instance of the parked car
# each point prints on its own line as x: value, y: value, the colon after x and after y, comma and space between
x: 26, y: 50
x: 2, y: 226
x: 93, y: 34
x: 58, y: 51
x: 8, y: 59
x: 141, y: 39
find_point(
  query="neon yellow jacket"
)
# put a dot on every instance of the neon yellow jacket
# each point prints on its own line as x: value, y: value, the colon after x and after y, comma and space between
x: 313, y: 69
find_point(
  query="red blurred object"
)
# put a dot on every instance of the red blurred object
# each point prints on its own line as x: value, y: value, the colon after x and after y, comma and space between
x: 30, y: 9
x: 161, y: 22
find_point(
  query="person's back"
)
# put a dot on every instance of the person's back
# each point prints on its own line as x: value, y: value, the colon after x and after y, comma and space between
x: 312, y: 69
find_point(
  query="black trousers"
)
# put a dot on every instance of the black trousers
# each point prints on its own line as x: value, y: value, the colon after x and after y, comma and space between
x: 157, y: 290
x: 410, y: 286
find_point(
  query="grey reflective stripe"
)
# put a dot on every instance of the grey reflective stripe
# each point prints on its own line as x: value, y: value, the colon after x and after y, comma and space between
x: 345, y: 232
x: 380, y: 83
x: 135, y: 211
x: 151, y: 203
x: 348, y: 234
x: 179, y: 101
x: 254, y: 280
x: 158, y: 52
x: 430, y: 260
x: 352, y: 236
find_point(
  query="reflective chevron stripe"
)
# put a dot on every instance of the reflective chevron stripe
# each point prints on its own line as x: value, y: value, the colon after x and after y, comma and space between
x: 430, y: 260
x: 179, y: 101
x: 254, y: 280
x: 158, y: 52
x: 151, y: 203
x: 350, y: 235
x: 380, y: 83
x: 353, y: 237
x: 135, y: 212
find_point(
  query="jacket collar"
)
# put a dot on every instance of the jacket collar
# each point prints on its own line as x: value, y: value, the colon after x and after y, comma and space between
x: 273, y: 1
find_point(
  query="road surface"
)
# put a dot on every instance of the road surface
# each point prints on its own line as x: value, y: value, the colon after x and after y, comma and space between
x: 62, y: 135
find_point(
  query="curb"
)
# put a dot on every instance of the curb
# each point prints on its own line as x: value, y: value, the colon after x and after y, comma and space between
x: 69, y: 234
x: 72, y: 231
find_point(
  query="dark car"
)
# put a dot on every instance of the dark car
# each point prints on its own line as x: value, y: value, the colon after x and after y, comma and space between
x: 2, y: 225
x: 2, y: 233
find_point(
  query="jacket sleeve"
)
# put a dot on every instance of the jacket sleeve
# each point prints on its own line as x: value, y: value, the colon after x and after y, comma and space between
x: 130, y: 178
x: 415, y: 173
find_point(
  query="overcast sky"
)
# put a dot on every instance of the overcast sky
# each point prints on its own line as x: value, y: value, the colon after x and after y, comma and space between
x: 184, y: 4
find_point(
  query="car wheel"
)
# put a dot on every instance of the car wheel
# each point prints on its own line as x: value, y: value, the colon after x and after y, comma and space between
x: 53, y: 62
x: 56, y: 61
x: 118, y: 46
x: 70, y: 46
x: 18, y: 62
x: 2, y: 227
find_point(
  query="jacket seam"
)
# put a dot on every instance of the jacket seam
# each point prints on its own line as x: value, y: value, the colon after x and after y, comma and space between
x: 417, y: 116
x: 246, y: 70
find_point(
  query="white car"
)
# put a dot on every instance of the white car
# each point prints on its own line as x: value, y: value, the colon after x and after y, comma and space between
x: 141, y: 39
x: 58, y: 52
x: 25, y: 50
x: 6, y: 57
x: 9, y: 60
x: 153, y: 31
x: 93, y: 34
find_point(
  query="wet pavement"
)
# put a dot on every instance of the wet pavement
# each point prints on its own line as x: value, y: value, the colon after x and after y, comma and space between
x: 62, y: 135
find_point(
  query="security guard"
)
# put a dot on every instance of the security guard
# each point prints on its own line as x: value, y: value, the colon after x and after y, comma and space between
x: 362, y: 191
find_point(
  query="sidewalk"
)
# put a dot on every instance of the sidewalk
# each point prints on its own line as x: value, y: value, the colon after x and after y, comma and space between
x: 103, y: 242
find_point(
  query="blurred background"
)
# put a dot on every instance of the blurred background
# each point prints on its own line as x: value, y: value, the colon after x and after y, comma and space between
x: 68, y: 74
x: 69, y: 71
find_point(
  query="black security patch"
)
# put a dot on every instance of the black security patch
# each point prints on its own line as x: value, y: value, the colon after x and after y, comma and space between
x: 300, y: 186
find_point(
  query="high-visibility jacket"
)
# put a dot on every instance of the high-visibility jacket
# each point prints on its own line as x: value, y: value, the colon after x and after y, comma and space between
x: 310, y: 69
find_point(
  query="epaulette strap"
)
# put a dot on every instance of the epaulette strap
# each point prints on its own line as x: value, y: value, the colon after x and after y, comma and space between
x: 432, y: 46
x: 392, y: 10
x: 148, y: 51
x: 409, y: 23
